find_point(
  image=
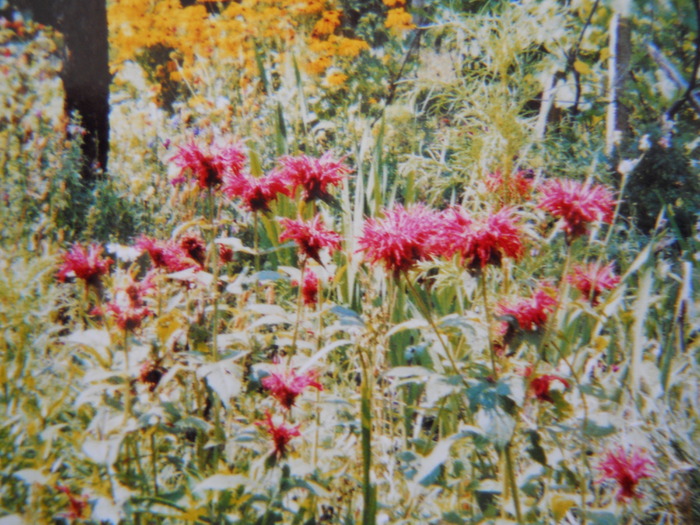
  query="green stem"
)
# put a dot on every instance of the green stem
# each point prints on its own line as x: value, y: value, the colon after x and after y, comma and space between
x: 489, y: 328
x: 299, y: 310
x: 510, y: 472
x: 154, y: 462
x: 425, y: 308
x: 369, y: 491
x: 127, y: 381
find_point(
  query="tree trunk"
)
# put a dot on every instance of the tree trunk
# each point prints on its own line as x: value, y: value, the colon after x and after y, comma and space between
x: 85, y: 73
x: 618, y: 71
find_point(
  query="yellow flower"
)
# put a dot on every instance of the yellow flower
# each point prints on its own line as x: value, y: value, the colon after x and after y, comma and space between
x: 328, y: 22
x: 336, y: 79
x: 398, y: 19
x: 349, y: 47
x: 394, y: 3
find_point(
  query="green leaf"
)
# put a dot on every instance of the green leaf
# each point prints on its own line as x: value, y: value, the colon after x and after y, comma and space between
x: 497, y: 426
x: 535, y: 450
x: 224, y: 378
x: 601, y: 517
x: 429, y: 466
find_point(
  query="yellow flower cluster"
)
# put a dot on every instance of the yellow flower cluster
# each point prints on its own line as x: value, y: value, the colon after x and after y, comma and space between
x: 398, y: 19
x: 235, y: 33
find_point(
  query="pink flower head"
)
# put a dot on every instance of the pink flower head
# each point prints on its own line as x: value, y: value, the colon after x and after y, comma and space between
x: 518, y: 184
x: 577, y: 204
x: 256, y: 192
x: 593, y: 279
x: 286, y: 386
x: 530, y: 315
x: 128, y: 306
x: 313, y: 175
x: 309, y: 288
x: 84, y: 263
x: 208, y: 164
x: 402, y: 238
x: 311, y: 236
x: 540, y: 386
x: 281, y: 434
x: 169, y: 255
x: 483, y: 242
x: 627, y: 469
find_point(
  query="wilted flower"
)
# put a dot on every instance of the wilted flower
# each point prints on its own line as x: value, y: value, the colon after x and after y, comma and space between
x: 256, y: 192
x: 313, y: 175
x: 311, y: 236
x: 627, y: 469
x: 225, y: 254
x: 84, y: 263
x: 208, y: 164
x: 76, y: 504
x: 540, y: 386
x: 195, y: 248
x: 577, y: 204
x: 286, y: 386
x: 151, y: 374
x: 484, y: 242
x: 281, y: 434
x: 593, y: 279
x: 528, y: 315
x: 402, y: 238
x: 519, y: 184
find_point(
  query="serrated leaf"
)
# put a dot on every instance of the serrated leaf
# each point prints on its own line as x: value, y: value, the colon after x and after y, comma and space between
x: 97, y: 342
x: 102, y: 451
x: 407, y: 325
x: 601, y: 517
x: 224, y: 378
x: 429, y: 466
x: 31, y: 476
x: 221, y: 482
x: 497, y: 426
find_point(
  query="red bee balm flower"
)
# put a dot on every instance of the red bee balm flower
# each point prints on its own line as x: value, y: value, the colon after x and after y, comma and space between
x: 311, y: 236
x: 530, y: 314
x: 86, y: 264
x: 281, y: 434
x: 627, y: 469
x: 208, y: 164
x: 128, y: 307
x: 402, y: 238
x: 591, y: 280
x: 171, y: 255
x: 287, y: 386
x: 256, y: 192
x: 484, y: 242
x: 313, y: 175
x: 540, y: 386
x: 577, y: 204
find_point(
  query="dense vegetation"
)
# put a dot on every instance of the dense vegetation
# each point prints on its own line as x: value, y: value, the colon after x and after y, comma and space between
x: 403, y: 262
